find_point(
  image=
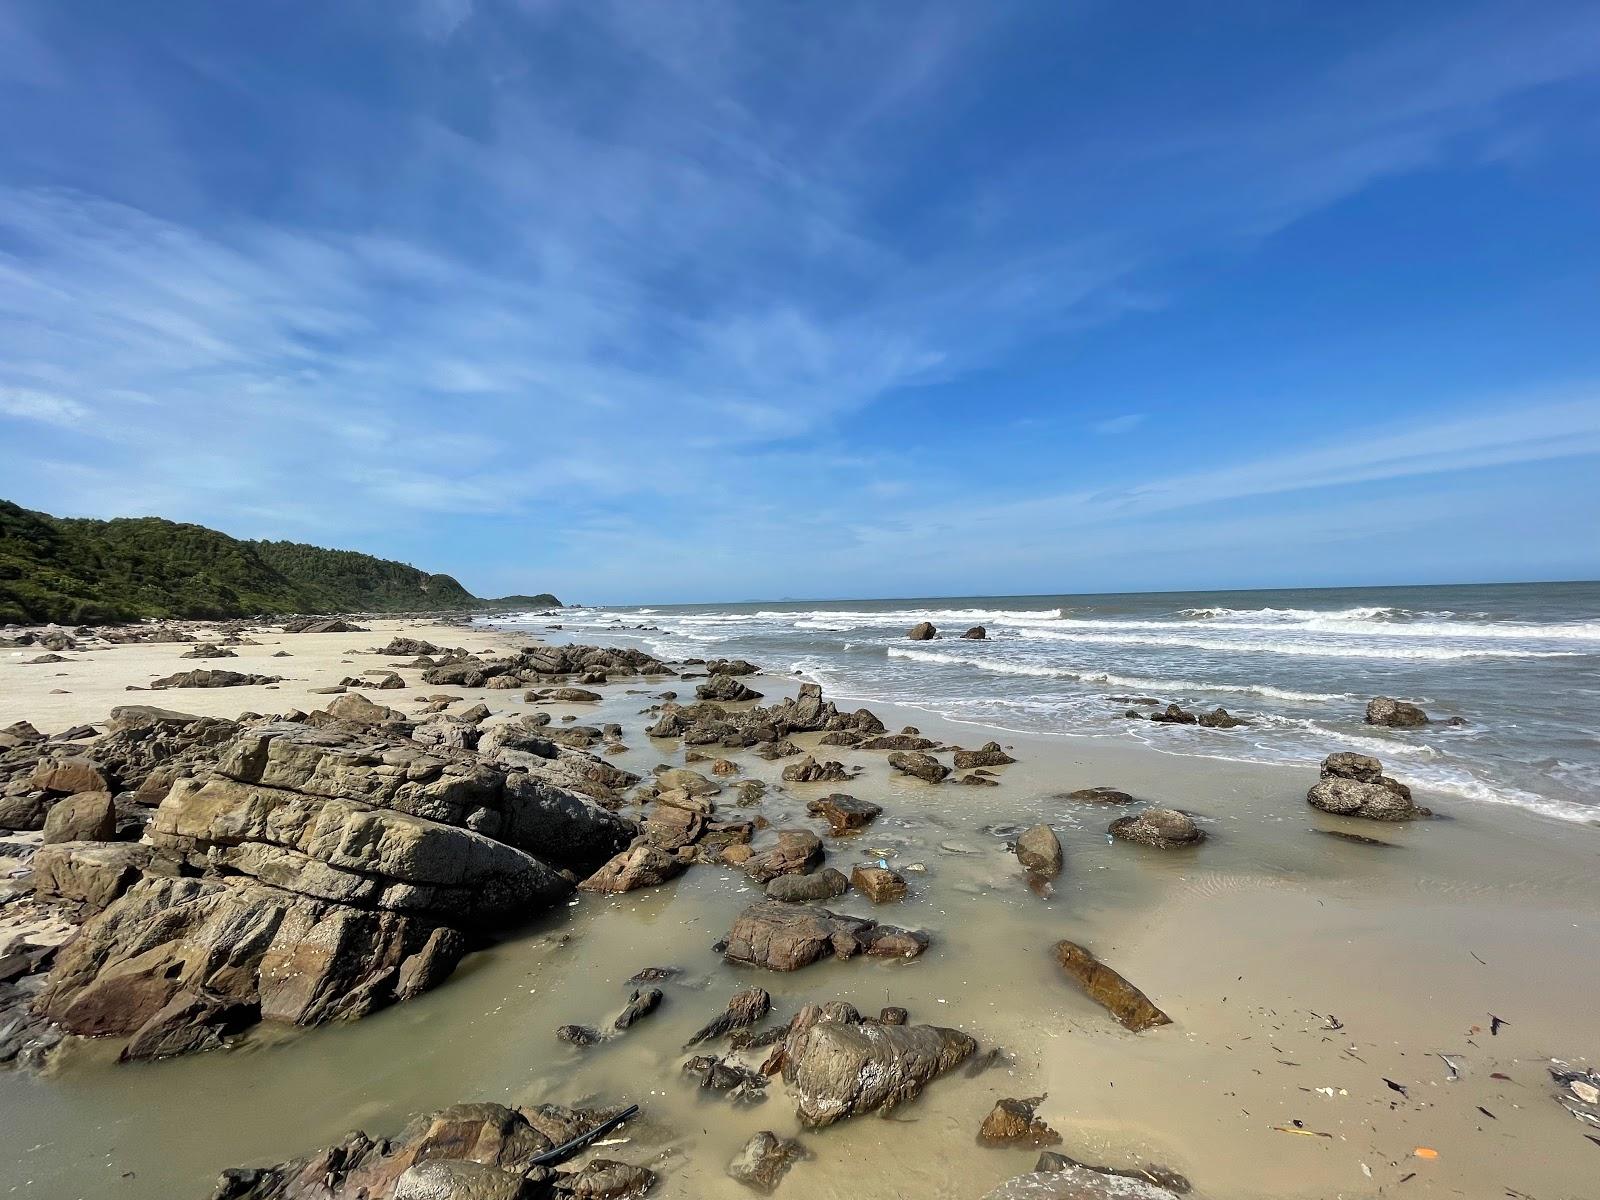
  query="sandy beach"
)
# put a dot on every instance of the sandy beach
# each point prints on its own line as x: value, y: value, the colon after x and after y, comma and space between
x: 1333, y: 1002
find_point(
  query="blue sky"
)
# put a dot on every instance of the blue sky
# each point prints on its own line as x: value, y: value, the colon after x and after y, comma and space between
x: 659, y: 301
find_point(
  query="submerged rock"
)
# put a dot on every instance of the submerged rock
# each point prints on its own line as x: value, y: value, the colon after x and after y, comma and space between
x: 1131, y: 1007
x: 786, y: 937
x: 799, y: 889
x: 878, y: 884
x: 745, y: 1008
x: 1163, y: 828
x: 837, y: 1066
x: 844, y: 814
x: 464, y: 1152
x: 1101, y: 795
x: 1078, y: 1183
x: 976, y: 634
x: 1012, y: 1123
x: 1039, y: 850
x: 764, y: 1160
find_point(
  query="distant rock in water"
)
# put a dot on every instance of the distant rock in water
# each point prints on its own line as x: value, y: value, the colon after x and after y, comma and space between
x: 976, y: 634
x: 1395, y: 714
x: 922, y: 631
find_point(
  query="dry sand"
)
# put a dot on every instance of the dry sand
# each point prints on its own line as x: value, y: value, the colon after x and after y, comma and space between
x: 1301, y: 971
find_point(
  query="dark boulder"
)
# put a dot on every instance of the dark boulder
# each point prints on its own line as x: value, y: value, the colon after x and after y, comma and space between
x: 922, y: 631
x: 1395, y: 714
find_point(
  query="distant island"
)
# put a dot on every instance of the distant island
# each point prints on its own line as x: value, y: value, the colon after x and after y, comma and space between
x: 73, y: 570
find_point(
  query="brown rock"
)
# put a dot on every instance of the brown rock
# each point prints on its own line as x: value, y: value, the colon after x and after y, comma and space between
x: 878, y: 884
x: 1039, y: 850
x: 84, y: 817
x: 923, y: 766
x: 1130, y: 1006
x: 922, y: 631
x: 1012, y: 1123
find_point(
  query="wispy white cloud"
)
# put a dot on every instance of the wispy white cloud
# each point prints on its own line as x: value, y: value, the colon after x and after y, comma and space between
x: 30, y: 405
x: 1125, y: 423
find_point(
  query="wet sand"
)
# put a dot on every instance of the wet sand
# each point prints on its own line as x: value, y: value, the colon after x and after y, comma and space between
x: 1255, y: 942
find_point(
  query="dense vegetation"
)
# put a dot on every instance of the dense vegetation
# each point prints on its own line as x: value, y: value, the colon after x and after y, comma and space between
x: 74, y: 570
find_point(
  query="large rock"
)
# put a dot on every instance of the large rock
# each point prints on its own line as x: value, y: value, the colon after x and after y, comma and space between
x: 1039, y: 850
x: 87, y: 876
x: 464, y: 1152
x: 1354, y: 785
x: 923, y: 766
x: 725, y: 688
x: 786, y: 937
x: 764, y: 1160
x: 641, y: 865
x: 84, y: 817
x: 1395, y: 714
x: 989, y: 755
x: 1131, y: 1007
x: 976, y: 634
x: 836, y: 1067
x: 330, y: 871
x: 922, y: 631
x: 1163, y: 828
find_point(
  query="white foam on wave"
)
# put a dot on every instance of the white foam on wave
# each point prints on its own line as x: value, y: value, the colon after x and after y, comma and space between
x: 1107, y: 679
x: 1298, y: 647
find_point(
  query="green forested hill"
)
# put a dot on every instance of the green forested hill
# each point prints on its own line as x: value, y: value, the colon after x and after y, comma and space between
x: 73, y: 570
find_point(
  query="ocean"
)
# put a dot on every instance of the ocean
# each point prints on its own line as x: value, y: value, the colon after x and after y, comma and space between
x: 1518, y: 663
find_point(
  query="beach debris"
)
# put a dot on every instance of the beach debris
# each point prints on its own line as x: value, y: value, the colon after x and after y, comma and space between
x: 1450, y: 1066
x: 1487, y: 1113
x: 1425, y: 1152
x: 1495, y: 1023
x: 1299, y: 1128
x: 1581, y: 1095
x: 1397, y: 1087
x: 1131, y: 1007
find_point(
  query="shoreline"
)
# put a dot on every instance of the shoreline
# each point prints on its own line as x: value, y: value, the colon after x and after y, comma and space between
x: 1482, y: 912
